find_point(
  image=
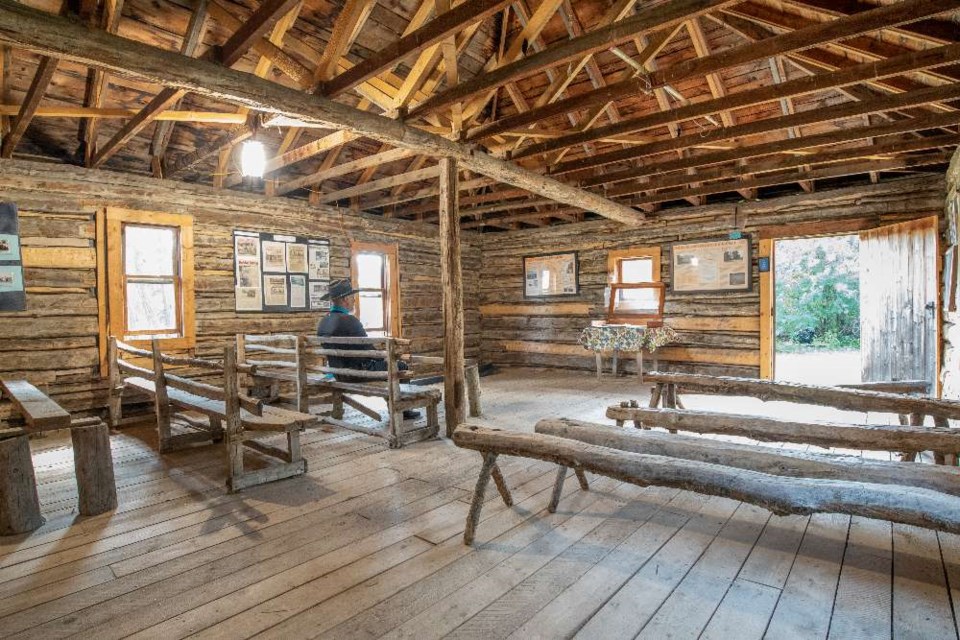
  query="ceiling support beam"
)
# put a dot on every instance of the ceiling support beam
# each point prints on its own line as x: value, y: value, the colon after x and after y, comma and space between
x: 38, y: 86
x: 445, y: 25
x: 836, y: 113
x: 377, y: 159
x: 164, y: 100
x: 791, y: 88
x: 97, y: 83
x: 649, y: 19
x: 51, y: 35
x: 879, y: 18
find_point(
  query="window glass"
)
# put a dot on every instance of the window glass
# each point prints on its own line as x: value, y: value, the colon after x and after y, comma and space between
x: 371, y: 310
x: 151, y: 306
x: 637, y: 301
x: 149, y: 251
x: 636, y: 270
x: 370, y: 271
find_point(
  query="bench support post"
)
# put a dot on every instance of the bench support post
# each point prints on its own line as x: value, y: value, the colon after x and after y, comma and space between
x: 19, y: 503
x: 502, y: 485
x: 93, y: 463
x: 115, y: 395
x: 473, y: 516
x: 557, y: 489
x: 233, y: 434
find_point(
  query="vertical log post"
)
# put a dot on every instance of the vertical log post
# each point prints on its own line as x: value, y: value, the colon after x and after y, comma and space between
x: 472, y: 375
x: 233, y: 436
x: 115, y: 394
x: 395, y: 418
x: 19, y: 503
x: 93, y: 462
x: 452, y: 280
x: 303, y: 398
x: 473, y: 516
x: 161, y: 402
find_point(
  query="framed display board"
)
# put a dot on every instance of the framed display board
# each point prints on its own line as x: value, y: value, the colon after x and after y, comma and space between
x: 12, y: 294
x: 713, y: 265
x: 548, y: 275
x: 279, y: 273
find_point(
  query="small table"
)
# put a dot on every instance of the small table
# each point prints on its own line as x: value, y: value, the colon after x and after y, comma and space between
x: 625, y: 338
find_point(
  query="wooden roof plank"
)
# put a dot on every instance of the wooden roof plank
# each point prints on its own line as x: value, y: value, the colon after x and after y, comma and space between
x: 38, y: 86
x: 881, y: 17
x: 47, y: 34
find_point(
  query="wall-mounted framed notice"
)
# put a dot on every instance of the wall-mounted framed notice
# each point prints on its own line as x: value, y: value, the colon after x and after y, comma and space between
x: 12, y: 294
x: 279, y: 273
x: 548, y: 275
x: 713, y: 265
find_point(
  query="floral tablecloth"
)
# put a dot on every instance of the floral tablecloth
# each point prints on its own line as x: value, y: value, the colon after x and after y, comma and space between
x: 624, y: 337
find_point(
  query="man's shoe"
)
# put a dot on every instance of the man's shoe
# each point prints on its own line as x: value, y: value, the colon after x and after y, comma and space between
x: 410, y: 414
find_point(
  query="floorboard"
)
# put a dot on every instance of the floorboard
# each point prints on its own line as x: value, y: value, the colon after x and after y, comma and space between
x: 368, y: 544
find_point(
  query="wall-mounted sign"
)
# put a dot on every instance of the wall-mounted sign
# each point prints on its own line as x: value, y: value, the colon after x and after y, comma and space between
x: 12, y: 295
x: 555, y: 274
x: 280, y: 273
x: 720, y: 265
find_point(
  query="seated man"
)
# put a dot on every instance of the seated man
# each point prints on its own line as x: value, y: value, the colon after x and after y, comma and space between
x: 341, y: 323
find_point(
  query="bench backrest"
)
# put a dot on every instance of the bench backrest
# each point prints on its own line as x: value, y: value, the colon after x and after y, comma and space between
x: 121, y: 353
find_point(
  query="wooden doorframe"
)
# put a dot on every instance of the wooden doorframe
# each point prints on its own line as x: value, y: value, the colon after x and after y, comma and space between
x: 768, y: 311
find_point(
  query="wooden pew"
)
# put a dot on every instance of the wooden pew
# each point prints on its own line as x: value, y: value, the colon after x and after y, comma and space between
x: 784, y: 482
x: 34, y: 412
x: 899, y: 398
x: 213, y: 414
x: 301, y: 361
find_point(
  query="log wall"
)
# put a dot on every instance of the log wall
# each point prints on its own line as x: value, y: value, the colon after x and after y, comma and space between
x: 720, y: 332
x: 950, y: 365
x: 54, y: 343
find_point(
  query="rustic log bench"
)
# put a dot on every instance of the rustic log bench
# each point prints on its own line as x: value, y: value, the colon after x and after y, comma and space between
x: 34, y: 412
x: 785, y: 482
x: 302, y: 362
x: 212, y: 413
x: 900, y: 398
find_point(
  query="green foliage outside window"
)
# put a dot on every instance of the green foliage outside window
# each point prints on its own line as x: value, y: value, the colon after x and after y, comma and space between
x: 818, y: 293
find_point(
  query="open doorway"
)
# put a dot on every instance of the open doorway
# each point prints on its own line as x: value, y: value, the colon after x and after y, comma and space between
x: 852, y: 307
x: 817, y: 297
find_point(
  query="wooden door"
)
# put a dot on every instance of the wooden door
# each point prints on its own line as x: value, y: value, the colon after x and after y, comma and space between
x: 898, y: 302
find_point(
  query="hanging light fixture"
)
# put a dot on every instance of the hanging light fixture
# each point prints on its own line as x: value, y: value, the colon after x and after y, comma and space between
x: 253, y: 159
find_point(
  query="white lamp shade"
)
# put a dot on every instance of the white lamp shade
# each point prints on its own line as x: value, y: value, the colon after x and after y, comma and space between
x: 253, y: 159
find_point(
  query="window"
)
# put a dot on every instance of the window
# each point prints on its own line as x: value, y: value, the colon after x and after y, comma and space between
x: 375, y: 275
x: 636, y: 291
x: 150, y: 277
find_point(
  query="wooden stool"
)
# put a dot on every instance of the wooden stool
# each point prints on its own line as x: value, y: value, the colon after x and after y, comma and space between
x: 19, y: 502
x: 93, y: 463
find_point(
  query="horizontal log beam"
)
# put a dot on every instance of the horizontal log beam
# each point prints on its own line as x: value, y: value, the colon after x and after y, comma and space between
x: 646, y: 20
x: 822, y: 33
x: 44, y: 33
x: 844, y: 399
x: 900, y: 163
x: 781, y: 495
x: 318, y: 177
x: 708, y: 137
x: 445, y: 25
x: 783, y: 462
x: 196, y: 117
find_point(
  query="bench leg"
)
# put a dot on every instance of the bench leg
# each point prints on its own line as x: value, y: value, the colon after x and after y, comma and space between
x: 293, y: 443
x: 19, y: 503
x: 337, y: 410
x: 394, y: 429
x: 234, y: 453
x: 216, y: 429
x: 433, y: 418
x: 473, y: 516
x: 93, y: 462
x: 582, y: 478
x: 557, y: 489
x: 473, y: 390
x: 916, y: 420
x: 599, y: 358
x: 502, y: 486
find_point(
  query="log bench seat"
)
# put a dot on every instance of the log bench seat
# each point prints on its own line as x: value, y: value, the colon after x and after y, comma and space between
x: 302, y: 363
x: 212, y: 414
x: 782, y: 481
x: 32, y: 411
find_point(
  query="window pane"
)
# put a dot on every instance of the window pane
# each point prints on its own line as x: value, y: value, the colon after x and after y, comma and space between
x: 636, y: 270
x: 149, y: 251
x: 637, y: 301
x: 371, y: 310
x: 369, y: 271
x: 151, y: 306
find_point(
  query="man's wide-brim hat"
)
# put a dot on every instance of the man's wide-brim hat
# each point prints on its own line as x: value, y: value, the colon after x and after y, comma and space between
x: 339, y: 289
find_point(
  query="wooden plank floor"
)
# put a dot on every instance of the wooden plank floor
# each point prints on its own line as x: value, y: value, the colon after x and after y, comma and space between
x: 368, y: 544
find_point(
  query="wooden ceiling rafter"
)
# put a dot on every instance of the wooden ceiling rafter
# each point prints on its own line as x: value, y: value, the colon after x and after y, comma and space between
x: 797, y: 87
x: 38, y: 86
x: 53, y: 36
x: 167, y: 98
x: 646, y: 20
x: 930, y: 31
x: 799, y: 147
x: 778, y: 45
x: 97, y: 82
